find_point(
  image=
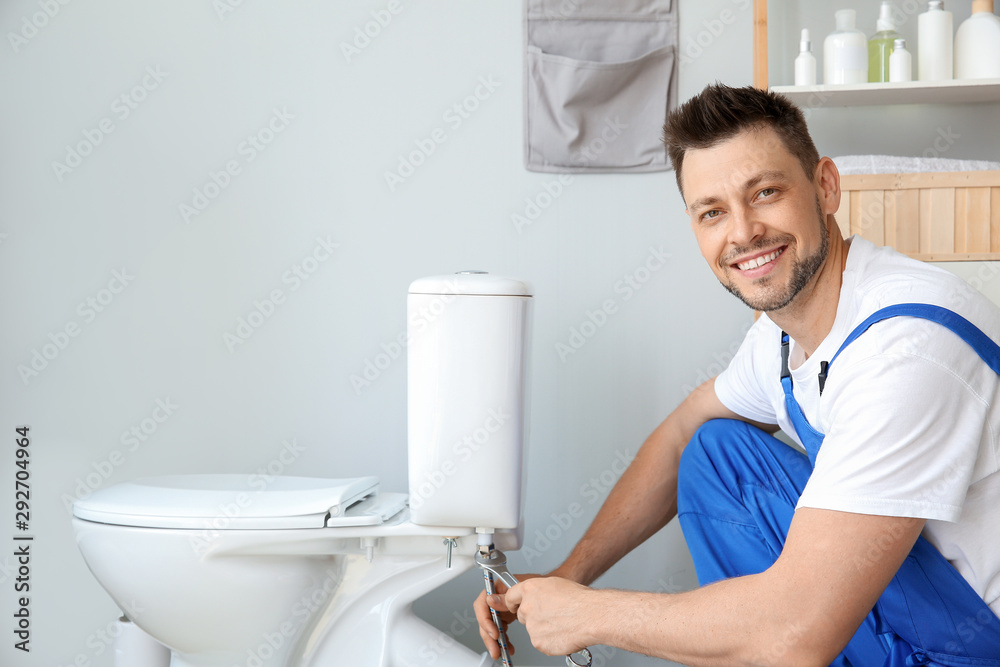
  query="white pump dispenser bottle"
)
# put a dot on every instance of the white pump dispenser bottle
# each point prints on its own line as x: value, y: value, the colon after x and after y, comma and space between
x: 805, y: 62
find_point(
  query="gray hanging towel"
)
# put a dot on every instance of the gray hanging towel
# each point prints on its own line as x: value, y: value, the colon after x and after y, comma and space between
x: 600, y: 77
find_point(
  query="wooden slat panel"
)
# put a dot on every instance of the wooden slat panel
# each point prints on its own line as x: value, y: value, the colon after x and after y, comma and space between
x: 977, y: 219
x: 902, y: 220
x: 869, y: 182
x: 843, y: 214
x: 947, y: 216
x: 937, y: 220
x: 889, y: 225
x: 868, y: 215
x: 961, y: 220
x: 760, y: 44
x: 956, y: 257
x: 995, y: 219
x: 950, y: 179
x: 944, y: 179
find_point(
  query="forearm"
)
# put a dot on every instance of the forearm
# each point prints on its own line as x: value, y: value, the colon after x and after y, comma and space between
x: 801, y: 611
x: 733, y: 622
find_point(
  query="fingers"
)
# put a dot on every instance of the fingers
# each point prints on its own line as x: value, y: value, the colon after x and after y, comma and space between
x: 512, y: 600
x: 500, y: 602
x: 487, y: 628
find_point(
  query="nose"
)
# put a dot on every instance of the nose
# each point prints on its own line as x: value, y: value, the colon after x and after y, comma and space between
x: 744, y: 227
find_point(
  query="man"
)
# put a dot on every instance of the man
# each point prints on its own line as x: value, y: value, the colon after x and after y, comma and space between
x: 801, y: 547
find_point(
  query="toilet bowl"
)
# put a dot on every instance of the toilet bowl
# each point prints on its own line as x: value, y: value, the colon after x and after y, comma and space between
x: 261, y: 587
x: 313, y: 572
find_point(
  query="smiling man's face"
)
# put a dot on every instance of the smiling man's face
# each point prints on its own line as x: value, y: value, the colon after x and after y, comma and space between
x: 757, y: 217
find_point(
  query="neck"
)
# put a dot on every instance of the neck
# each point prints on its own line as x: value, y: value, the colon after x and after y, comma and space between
x: 811, y: 314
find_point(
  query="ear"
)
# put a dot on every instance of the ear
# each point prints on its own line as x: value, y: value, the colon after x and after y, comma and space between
x: 827, y: 182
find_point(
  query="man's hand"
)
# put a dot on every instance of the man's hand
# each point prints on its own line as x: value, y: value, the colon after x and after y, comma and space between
x: 487, y: 630
x: 554, y: 611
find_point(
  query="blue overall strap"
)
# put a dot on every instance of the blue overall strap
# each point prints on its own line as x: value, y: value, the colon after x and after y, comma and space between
x: 928, y: 614
x: 810, y: 438
x: 980, y: 342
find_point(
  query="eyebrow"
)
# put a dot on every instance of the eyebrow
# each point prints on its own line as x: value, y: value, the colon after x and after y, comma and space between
x: 752, y: 182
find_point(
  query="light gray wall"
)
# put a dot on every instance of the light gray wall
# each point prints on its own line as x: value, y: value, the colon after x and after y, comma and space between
x: 183, y: 284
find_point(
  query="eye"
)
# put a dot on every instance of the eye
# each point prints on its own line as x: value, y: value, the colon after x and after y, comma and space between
x: 766, y: 192
x: 709, y: 215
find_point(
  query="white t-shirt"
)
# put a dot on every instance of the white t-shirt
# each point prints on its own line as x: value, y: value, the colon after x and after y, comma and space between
x: 910, y: 412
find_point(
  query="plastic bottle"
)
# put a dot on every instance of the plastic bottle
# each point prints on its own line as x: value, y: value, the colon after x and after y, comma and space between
x: 881, y: 44
x: 977, y: 43
x: 900, y: 62
x: 805, y: 62
x: 934, y: 43
x: 845, y: 52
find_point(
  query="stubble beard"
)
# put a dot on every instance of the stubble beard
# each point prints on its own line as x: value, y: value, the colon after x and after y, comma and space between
x: 770, y: 297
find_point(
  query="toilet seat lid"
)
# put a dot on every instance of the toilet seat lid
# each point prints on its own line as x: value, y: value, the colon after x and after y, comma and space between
x: 230, y: 501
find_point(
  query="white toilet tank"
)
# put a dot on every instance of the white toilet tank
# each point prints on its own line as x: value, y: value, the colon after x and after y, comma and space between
x: 467, y: 378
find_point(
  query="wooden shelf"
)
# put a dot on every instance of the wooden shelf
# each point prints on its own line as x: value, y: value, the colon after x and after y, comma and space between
x: 966, y: 91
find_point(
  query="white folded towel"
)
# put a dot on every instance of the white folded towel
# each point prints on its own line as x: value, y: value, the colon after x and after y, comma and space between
x: 891, y: 164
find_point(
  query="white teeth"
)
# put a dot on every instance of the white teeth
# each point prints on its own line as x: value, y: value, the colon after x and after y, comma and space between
x: 758, y: 261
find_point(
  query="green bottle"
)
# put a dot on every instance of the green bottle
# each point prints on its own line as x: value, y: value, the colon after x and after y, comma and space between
x: 881, y: 44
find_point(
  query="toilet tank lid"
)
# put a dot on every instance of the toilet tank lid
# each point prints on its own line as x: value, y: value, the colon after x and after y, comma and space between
x: 237, y: 501
x: 470, y: 283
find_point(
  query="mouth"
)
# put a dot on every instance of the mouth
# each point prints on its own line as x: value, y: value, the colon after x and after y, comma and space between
x: 759, y: 260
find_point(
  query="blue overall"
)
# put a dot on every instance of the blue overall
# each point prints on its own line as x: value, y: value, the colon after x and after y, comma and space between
x: 737, y: 491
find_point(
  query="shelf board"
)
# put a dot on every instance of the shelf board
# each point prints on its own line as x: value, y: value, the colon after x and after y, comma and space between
x: 964, y: 91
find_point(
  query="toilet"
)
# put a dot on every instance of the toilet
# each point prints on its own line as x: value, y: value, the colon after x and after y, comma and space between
x: 222, y: 570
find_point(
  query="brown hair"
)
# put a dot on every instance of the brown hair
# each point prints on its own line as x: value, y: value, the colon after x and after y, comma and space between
x: 720, y: 112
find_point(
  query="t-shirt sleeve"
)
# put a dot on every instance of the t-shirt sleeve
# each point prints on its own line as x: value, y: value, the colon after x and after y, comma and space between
x: 902, y: 442
x: 738, y: 386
